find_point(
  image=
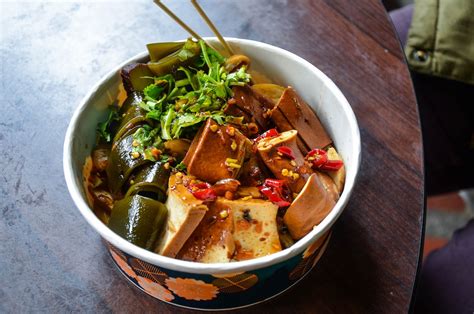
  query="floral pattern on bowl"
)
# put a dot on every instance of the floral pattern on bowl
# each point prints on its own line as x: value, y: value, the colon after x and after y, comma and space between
x: 215, y: 291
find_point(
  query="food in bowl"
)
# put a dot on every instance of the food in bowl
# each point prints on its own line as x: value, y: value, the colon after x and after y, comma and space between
x: 201, y: 161
x: 232, y: 285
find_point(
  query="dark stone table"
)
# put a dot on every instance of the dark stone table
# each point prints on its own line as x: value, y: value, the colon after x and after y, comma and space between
x: 52, y: 53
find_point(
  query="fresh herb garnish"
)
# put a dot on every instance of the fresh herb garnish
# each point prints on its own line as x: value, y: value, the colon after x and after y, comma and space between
x: 202, y: 93
x: 178, y: 102
x: 180, y: 167
x: 147, y: 143
x: 152, y: 91
x: 103, y: 128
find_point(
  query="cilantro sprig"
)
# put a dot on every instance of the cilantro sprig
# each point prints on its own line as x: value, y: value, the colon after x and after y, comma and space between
x: 177, y: 103
x: 200, y: 93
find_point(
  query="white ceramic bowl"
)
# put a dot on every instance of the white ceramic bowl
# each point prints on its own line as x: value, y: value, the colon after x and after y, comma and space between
x: 264, y: 275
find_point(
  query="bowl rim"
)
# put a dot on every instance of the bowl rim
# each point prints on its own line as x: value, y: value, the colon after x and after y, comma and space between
x: 213, y: 268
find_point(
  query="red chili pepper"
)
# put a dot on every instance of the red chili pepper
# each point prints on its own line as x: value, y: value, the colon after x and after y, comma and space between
x: 273, y: 196
x: 316, y: 151
x: 205, y: 194
x: 286, y: 151
x: 199, y: 186
x: 319, y: 157
x: 266, y: 134
x: 332, y: 165
x: 273, y: 189
x: 202, y: 191
x: 320, y: 160
x: 275, y: 183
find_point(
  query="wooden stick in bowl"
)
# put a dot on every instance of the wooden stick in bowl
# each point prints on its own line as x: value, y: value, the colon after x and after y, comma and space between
x: 177, y: 19
x: 212, y: 27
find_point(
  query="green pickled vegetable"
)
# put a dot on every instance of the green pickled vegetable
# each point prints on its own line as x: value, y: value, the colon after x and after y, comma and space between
x: 158, y: 51
x: 147, y: 189
x: 133, y: 117
x: 133, y: 100
x: 122, y: 161
x: 138, y: 219
x: 186, y: 55
x: 136, y: 77
x: 151, y: 181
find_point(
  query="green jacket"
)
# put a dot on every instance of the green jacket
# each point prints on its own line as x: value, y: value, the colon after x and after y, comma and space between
x: 441, y: 39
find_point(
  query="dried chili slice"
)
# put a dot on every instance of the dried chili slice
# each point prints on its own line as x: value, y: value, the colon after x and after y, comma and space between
x: 267, y: 134
x: 275, y: 191
x: 332, y: 165
x: 319, y: 160
x: 286, y: 151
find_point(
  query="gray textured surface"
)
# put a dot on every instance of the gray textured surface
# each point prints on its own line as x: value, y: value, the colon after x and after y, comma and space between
x: 52, y: 53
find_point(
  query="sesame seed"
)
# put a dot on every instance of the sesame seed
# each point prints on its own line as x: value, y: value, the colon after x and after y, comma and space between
x: 296, y: 176
x: 230, y: 160
x: 135, y: 155
x: 233, y: 145
x: 230, y: 130
x: 284, y: 172
x: 234, y: 165
x: 214, y: 127
x: 293, y: 163
x: 166, y: 165
x: 223, y: 214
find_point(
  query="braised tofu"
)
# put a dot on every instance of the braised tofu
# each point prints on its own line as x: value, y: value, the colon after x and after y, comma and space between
x: 212, y: 241
x: 232, y: 109
x: 217, y: 152
x: 283, y: 125
x: 291, y: 169
x: 234, y: 230
x: 309, y: 208
x: 185, y: 212
x: 255, y: 228
x: 292, y: 111
x: 328, y: 185
x: 338, y: 176
x: 253, y: 105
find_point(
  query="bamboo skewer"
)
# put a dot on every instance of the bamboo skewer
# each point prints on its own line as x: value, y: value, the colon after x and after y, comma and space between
x: 212, y: 27
x: 189, y: 29
x: 177, y: 19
